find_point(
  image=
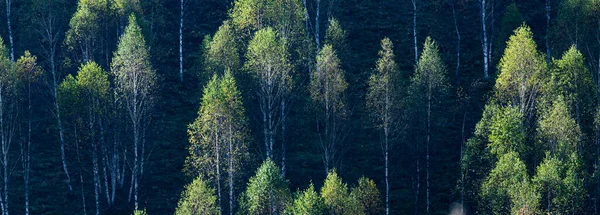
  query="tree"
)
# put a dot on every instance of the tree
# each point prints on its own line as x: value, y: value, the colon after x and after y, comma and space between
x: 337, y: 198
x: 267, y: 60
x: 135, y: 81
x: 9, y: 112
x: 327, y: 87
x: 367, y: 195
x: 285, y: 17
x: 383, y: 103
x: 570, y: 79
x: 197, y: 198
x: 427, y: 89
x: 219, y: 134
x: 267, y: 191
x: 221, y: 52
x: 559, y: 177
x: 94, y: 85
x: 521, y: 69
x: 507, y: 132
x: 85, y: 27
x: 50, y: 15
x: 307, y: 202
x: 28, y: 73
x: 509, y: 184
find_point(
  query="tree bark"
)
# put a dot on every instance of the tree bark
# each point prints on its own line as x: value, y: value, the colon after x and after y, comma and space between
x: 453, y: 2
x: 181, y: 42
x: 414, y: 3
x: 484, y: 41
x: 10, y: 35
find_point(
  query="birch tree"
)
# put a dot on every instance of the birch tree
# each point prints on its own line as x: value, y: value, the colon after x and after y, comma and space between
x: 267, y: 191
x: 84, y: 35
x: 218, y: 136
x: 267, y: 60
x: 521, y: 68
x: 327, y: 87
x: 9, y: 113
x: 198, y: 198
x: 221, y: 53
x: 135, y: 81
x: 29, y: 74
x: 93, y: 82
x: 381, y: 99
x: 49, y: 19
x: 428, y: 88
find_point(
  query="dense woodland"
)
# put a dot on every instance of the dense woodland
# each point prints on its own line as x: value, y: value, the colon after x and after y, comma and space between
x: 300, y: 107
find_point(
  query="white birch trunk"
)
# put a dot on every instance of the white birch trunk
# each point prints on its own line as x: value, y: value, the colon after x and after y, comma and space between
x: 428, y: 140
x: 414, y: 2
x: 10, y: 35
x: 283, y: 146
x: 453, y: 2
x: 181, y: 43
x: 317, y: 29
x: 386, y: 133
x: 484, y: 41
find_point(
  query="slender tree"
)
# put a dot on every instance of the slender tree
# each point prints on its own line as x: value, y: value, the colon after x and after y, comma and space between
x: 267, y: 60
x: 428, y: 87
x: 218, y: 136
x: 381, y: 99
x: 327, y: 88
x: 135, y: 81
x: 29, y: 74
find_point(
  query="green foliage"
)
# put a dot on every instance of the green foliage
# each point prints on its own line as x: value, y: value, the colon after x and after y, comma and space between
x: 559, y: 131
x: 267, y: 192
x: 140, y: 212
x: 367, y: 195
x: 507, y: 183
x: 336, y: 197
x: 336, y: 36
x: 328, y: 83
x: 307, y: 202
x: 382, y: 97
x: 268, y: 60
x: 86, y: 26
x: 285, y: 17
x: 521, y: 69
x: 197, y: 198
x: 221, y: 118
x: 429, y: 79
x: 507, y: 133
x: 131, y: 67
x: 220, y: 52
x: 571, y: 79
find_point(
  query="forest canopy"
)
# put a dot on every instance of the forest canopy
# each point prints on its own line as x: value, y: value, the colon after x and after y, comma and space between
x: 298, y: 107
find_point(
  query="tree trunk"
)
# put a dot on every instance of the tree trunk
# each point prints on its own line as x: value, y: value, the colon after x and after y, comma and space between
x: 317, y: 29
x: 484, y: 42
x: 10, y: 35
x: 428, y: 140
x: 283, y: 146
x: 181, y: 42
x: 453, y: 2
x: 386, y: 134
x: 414, y: 2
